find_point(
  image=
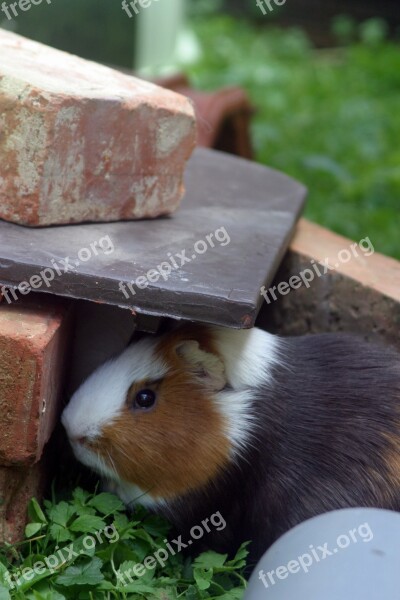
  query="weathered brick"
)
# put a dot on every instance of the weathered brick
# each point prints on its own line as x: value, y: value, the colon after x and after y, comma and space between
x: 82, y: 142
x: 17, y: 487
x: 33, y: 347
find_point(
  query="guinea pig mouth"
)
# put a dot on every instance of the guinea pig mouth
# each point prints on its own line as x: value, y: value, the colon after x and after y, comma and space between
x: 87, y: 452
x: 81, y: 450
x: 82, y: 441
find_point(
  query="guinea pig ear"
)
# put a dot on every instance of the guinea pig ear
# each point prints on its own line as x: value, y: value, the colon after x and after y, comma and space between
x: 205, y: 366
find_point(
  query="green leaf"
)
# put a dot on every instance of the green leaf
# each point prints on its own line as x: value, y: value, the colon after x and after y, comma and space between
x: 35, y: 513
x: 52, y: 595
x: 210, y: 560
x: 61, y: 513
x: 146, y: 591
x: 239, y: 561
x: 122, y: 522
x: 141, y: 534
x: 156, y: 526
x: 32, y: 529
x: 87, y: 524
x: 191, y: 593
x: 80, y: 496
x: 106, y: 504
x: 81, y: 510
x: 4, y: 593
x: 203, y: 577
x: 59, y: 533
x: 105, y: 585
x: 236, y: 594
x: 127, y: 565
x: 87, y: 573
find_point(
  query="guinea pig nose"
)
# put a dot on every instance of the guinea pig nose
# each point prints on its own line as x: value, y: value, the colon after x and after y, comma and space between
x: 80, y: 440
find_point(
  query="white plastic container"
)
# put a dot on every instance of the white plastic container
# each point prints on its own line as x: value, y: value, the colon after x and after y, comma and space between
x: 351, y: 554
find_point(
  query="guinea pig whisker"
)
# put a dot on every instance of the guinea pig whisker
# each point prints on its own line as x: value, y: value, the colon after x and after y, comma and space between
x: 121, y: 450
x: 102, y: 465
x: 143, y: 494
x: 112, y: 463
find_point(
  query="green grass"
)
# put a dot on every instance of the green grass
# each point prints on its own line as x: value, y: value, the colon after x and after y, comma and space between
x: 57, y: 562
x: 329, y: 118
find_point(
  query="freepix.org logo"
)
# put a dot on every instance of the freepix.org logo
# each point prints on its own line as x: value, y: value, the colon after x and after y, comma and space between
x: 268, y: 6
x: 315, y: 555
x: 58, y: 269
x: 14, y: 9
x: 134, y: 6
x: 220, y: 237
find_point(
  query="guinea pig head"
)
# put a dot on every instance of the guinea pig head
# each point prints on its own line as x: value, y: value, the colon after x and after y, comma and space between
x: 151, y: 417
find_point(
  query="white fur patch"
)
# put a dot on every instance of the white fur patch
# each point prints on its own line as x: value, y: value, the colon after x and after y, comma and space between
x: 92, y: 460
x: 100, y: 399
x: 131, y: 494
x: 248, y: 356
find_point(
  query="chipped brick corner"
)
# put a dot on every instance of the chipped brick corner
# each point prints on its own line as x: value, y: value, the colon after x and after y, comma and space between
x: 82, y: 142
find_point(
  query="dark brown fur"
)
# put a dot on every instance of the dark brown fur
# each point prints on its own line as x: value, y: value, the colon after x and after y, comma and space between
x: 327, y: 437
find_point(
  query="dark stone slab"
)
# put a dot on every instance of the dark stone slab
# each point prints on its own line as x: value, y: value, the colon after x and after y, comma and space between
x: 257, y: 207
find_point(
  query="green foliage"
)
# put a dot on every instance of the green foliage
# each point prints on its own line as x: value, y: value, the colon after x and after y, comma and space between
x: 329, y: 118
x: 57, y: 562
x: 95, y: 29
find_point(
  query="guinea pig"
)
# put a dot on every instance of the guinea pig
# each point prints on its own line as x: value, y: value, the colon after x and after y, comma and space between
x: 268, y: 431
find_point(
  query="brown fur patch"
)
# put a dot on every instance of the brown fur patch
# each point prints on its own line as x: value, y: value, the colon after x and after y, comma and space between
x: 166, y: 347
x: 179, y: 445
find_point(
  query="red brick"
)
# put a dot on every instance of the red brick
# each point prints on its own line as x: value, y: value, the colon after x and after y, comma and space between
x: 82, y: 142
x: 17, y: 487
x: 33, y: 347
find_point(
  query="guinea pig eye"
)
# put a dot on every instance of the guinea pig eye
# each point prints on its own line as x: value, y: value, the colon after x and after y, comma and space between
x: 145, y: 399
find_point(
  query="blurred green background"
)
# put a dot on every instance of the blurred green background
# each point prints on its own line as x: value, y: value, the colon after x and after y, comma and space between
x: 323, y: 76
x: 329, y: 117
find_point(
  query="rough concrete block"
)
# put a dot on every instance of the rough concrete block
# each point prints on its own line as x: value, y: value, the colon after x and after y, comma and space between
x: 359, y: 294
